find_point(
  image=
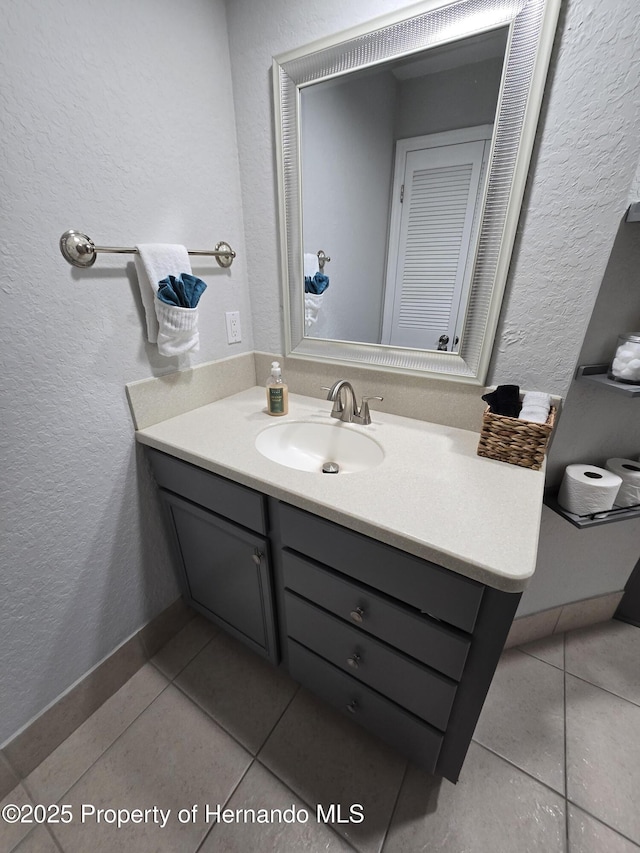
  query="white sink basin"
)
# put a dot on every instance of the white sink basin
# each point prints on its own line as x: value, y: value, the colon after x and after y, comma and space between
x: 308, y: 446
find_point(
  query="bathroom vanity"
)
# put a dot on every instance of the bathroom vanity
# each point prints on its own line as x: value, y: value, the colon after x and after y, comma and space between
x: 376, y: 589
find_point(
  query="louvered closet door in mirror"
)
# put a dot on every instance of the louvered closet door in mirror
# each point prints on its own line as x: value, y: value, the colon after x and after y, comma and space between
x: 435, y: 211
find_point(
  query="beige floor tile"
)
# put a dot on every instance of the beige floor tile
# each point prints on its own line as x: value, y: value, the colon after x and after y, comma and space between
x: 325, y: 758
x: 242, y: 691
x: 494, y: 808
x: 295, y: 828
x: 13, y: 832
x: 181, y: 649
x: 38, y: 841
x: 550, y: 650
x: 523, y: 717
x: 587, y: 835
x: 603, y: 756
x: 607, y: 655
x: 171, y: 758
x: 66, y: 764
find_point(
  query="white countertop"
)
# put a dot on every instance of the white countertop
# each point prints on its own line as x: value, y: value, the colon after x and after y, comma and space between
x: 431, y: 495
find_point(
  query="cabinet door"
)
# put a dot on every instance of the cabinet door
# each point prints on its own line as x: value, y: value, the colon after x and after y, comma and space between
x: 226, y: 573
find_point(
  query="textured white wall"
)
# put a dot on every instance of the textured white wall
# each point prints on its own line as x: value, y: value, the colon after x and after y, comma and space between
x: 585, y: 158
x: 584, y: 162
x: 118, y: 121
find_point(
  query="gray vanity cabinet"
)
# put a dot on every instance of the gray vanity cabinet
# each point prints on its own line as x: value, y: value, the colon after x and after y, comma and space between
x: 401, y: 645
x: 225, y: 567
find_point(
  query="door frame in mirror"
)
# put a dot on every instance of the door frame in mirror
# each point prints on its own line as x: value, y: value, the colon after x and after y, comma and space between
x: 532, y: 25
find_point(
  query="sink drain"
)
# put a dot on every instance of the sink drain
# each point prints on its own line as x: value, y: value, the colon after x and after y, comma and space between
x: 330, y: 468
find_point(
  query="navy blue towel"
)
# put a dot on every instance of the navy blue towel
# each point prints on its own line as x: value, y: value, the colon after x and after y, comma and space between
x: 183, y: 290
x: 318, y: 284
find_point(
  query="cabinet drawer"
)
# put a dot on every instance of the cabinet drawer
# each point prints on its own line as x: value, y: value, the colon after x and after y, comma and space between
x: 422, y: 691
x: 402, y: 730
x: 222, y: 496
x: 440, y: 647
x: 420, y: 583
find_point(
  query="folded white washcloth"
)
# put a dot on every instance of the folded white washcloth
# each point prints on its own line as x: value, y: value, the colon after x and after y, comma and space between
x: 535, y: 407
x: 155, y: 261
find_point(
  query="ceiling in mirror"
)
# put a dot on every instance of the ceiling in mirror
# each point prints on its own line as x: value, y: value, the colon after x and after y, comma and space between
x: 402, y: 153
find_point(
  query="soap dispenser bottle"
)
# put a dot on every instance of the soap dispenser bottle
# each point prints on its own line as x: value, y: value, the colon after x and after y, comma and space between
x: 277, y: 392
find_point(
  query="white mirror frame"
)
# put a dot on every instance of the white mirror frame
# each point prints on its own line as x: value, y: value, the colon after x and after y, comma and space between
x: 428, y: 24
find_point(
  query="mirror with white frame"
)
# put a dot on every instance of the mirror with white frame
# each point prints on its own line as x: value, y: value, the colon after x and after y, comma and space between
x: 403, y: 148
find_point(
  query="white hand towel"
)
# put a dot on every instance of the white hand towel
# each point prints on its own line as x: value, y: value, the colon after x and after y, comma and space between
x: 310, y: 264
x: 177, y: 329
x: 155, y: 261
x: 312, y: 302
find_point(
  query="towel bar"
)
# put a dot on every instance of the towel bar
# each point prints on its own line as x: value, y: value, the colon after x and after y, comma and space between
x: 80, y: 251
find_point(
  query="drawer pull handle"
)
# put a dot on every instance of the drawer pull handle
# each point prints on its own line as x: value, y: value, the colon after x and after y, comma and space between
x: 357, y: 615
x: 257, y: 557
x: 352, y: 707
x: 353, y: 661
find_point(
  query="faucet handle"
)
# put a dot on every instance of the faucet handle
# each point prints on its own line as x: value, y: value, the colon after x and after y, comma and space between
x: 364, y: 415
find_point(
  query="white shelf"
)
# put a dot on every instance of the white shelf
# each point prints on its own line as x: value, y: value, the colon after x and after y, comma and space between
x: 598, y: 373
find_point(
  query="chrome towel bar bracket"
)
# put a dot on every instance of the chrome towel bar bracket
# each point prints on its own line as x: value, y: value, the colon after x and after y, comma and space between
x: 80, y: 250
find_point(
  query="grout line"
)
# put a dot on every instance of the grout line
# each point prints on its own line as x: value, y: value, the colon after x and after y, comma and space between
x: 213, y: 719
x: 604, y: 823
x: 273, y: 727
x: 312, y: 806
x: 191, y: 659
x: 604, y: 689
x: 395, y: 806
x: 54, y: 839
x: 529, y: 654
x: 226, y: 803
x: 517, y: 767
x: 299, y: 796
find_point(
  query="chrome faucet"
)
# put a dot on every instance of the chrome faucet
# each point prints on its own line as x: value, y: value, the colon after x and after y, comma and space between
x: 345, y: 407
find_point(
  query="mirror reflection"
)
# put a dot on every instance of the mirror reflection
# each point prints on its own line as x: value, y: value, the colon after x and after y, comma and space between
x: 393, y: 167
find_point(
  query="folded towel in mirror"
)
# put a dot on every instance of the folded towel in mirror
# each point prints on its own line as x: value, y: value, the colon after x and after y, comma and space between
x: 311, y: 306
x: 316, y: 284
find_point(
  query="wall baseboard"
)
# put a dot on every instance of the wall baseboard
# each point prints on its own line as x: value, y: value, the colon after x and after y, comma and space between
x: 37, y: 740
x: 568, y: 617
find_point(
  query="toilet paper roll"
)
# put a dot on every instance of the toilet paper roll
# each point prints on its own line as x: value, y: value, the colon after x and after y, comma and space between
x: 629, y: 472
x: 586, y: 489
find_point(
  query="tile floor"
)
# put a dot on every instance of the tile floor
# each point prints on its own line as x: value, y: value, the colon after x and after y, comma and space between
x: 554, y: 766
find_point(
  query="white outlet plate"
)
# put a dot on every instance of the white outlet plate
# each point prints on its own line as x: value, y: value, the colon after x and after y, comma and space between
x: 234, y: 332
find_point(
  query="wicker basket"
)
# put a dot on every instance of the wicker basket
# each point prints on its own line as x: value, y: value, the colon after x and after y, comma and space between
x: 512, y: 440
